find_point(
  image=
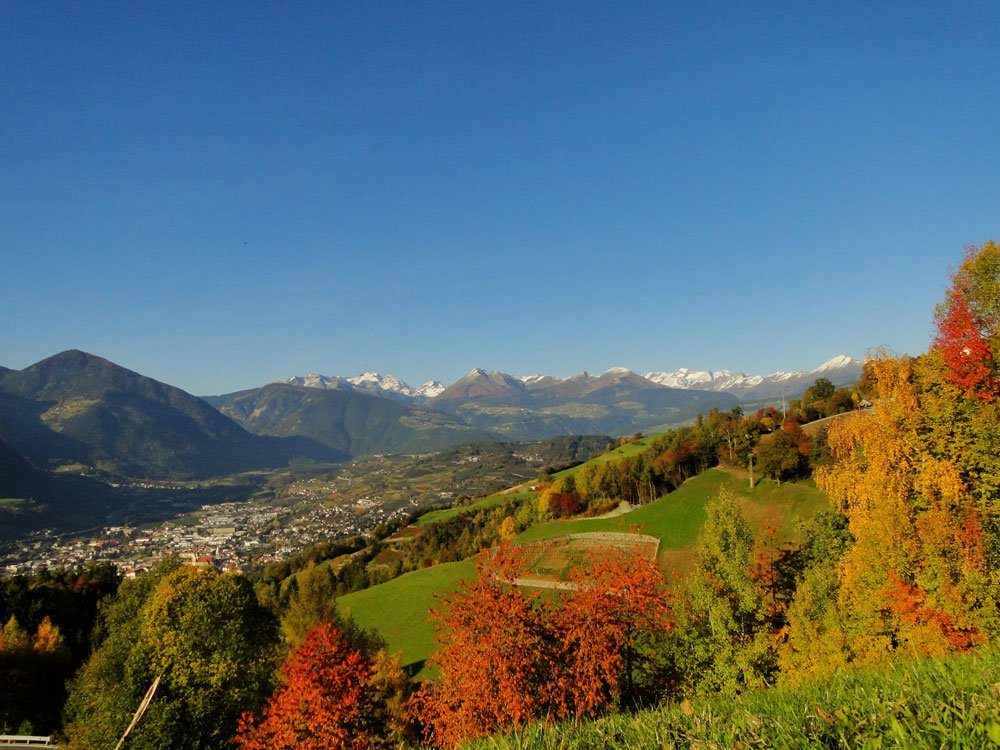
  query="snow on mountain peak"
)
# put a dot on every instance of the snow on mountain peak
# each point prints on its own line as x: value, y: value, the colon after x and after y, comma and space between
x: 836, y: 363
x: 529, y: 379
x: 842, y: 369
x: 431, y: 388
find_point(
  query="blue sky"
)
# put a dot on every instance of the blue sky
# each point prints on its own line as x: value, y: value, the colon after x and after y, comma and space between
x: 222, y: 194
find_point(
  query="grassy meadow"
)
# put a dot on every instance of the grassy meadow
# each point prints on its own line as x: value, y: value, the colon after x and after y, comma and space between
x: 675, y: 519
x: 398, y: 608
x: 489, y: 501
x: 920, y: 703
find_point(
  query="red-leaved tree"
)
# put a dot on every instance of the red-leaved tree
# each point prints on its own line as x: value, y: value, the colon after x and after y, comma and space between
x: 495, y: 657
x: 327, y: 700
x: 618, y: 608
x: 964, y: 348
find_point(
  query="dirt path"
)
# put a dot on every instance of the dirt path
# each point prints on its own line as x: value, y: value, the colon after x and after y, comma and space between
x: 623, y: 507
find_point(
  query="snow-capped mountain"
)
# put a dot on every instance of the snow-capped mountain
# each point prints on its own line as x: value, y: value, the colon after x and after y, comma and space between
x: 479, y: 383
x: 372, y: 383
x: 840, y: 370
x: 718, y: 380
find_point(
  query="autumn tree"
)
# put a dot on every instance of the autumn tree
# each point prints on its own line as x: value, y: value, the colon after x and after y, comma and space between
x: 330, y: 699
x: 917, y: 576
x: 783, y: 454
x: 968, y: 324
x: 33, y: 668
x: 494, y: 659
x: 916, y: 480
x: 312, y: 600
x: 608, y: 629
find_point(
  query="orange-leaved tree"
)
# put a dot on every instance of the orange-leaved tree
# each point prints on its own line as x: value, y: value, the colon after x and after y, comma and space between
x: 328, y: 700
x: 494, y: 659
x: 608, y: 624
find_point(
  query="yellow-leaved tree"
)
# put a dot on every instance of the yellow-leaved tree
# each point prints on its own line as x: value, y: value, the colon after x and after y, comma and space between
x: 917, y: 480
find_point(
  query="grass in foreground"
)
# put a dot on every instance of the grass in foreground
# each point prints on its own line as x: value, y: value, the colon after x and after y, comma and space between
x: 927, y: 703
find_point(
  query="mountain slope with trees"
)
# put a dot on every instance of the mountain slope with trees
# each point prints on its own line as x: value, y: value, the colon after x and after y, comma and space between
x: 351, y: 423
x: 75, y: 407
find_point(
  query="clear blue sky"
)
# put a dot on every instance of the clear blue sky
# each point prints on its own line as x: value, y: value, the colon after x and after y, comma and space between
x: 223, y: 194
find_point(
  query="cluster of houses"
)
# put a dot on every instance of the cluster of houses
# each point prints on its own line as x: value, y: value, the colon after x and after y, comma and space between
x: 228, y: 536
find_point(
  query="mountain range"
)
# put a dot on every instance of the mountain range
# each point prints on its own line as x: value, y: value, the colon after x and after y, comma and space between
x: 346, y: 421
x: 373, y: 384
x: 76, y: 411
x: 840, y: 370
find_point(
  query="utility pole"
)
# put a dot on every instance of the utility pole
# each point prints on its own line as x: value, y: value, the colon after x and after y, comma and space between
x: 750, y: 454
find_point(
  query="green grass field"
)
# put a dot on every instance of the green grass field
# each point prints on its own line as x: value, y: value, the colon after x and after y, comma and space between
x: 629, y: 449
x: 675, y: 519
x: 398, y: 609
x: 922, y: 704
x: 489, y: 501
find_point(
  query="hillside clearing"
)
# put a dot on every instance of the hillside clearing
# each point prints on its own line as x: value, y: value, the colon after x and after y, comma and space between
x: 398, y: 608
x: 676, y: 518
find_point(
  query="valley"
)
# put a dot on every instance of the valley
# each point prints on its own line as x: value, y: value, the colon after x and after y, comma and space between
x: 245, y: 521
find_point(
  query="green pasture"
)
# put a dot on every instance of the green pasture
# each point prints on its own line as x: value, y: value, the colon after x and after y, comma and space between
x: 676, y: 518
x: 398, y: 609
x: 489, y: 501
x: 629, y: 449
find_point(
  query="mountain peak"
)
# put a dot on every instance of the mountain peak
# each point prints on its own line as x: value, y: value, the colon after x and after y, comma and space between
x: 836, y: 363
x: 840, y: 369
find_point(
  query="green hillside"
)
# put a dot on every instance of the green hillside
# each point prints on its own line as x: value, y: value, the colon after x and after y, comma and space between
x: 435, y: 516
x: 398, y: 609
x: 676, y: 518
x: 629, y: 449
